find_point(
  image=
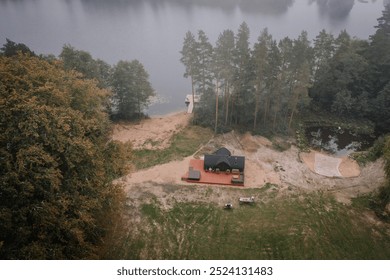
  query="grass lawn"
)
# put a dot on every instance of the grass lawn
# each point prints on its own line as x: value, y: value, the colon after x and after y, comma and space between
x: 183, y: 144
x: 305, y: 226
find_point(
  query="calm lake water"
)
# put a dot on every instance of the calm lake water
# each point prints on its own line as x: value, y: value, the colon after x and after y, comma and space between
x: 338, y: 141
x: 152, y: 31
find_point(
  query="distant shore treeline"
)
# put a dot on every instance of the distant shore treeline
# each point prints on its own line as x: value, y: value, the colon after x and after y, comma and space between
x: 332, y: 8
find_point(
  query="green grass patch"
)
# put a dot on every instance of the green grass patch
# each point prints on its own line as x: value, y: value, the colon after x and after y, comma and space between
x: 309, y: 226
x: 373, y: 153
x: 183, y: 144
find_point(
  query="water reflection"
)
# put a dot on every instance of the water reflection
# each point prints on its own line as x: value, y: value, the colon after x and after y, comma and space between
x: 335, y: 9
x: 338, y: 141
x: 112, y: 4
x: 269, y: 7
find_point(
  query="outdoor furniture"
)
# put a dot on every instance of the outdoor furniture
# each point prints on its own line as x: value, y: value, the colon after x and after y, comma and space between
x: 247, y: 200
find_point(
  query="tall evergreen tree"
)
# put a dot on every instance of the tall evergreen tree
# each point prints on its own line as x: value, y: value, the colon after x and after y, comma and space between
x: 274, y: 74
x: 300, y: 75
x: 189, y: 57
x: 324, y: 48
x: 224, y: 66
x: 204, y: 74
x: 243, y: 77
x: 261, y: 65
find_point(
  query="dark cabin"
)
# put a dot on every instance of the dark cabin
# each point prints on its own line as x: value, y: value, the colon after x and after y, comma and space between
x: 222, y: 152
x: 223, y: 161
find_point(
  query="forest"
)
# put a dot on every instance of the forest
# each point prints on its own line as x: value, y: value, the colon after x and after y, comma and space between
x: 270, y: 86
x: 57, y: 162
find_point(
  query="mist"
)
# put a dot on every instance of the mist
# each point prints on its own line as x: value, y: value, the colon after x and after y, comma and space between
x: 152, y: 31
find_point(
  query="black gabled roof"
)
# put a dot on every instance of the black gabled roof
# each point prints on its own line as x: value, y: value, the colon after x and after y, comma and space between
x: 224, y: 162
x: 223, y: 152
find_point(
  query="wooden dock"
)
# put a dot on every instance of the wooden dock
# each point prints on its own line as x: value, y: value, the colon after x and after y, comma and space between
x: 190, y: 102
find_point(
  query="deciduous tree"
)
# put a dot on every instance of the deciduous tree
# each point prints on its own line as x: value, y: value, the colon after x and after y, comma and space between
x: 131, y: 88
x: 54, y: 184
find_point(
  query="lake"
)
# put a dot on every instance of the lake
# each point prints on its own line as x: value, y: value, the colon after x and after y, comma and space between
x: 152, y: 31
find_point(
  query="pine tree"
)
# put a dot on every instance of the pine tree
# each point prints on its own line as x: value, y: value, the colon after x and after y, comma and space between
x: 189, y: 57
x: 300, y: 74
x: 324, y: 48
x: 204, y: 75
x: 224, y: 66
x: 261, y: 59
x: 243, y: 77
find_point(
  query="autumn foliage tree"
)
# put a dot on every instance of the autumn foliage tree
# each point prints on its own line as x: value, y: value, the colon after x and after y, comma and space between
x: 55, y: 185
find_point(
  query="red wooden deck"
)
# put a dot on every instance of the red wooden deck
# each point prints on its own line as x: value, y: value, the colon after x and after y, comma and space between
x: 209, y: 177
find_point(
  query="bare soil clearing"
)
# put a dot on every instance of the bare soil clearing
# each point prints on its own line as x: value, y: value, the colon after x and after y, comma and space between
x: 287, y: 171
x: 154, y: 133
x: 338, y: 167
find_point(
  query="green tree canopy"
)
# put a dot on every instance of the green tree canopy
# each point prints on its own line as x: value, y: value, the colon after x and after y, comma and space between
x: 132, y: 89
x: 54, y: 185
x: 82, y: 61
x: 243, y: 77
x: 11, y: 48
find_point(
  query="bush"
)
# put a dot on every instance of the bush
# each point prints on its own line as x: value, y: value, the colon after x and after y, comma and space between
x: 382, y: 200
x: 373, y: 153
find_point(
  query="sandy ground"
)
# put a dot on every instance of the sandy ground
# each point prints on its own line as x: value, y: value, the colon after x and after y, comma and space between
x: 153, y: 133
x: 346, y: 167
x: 288, y: 171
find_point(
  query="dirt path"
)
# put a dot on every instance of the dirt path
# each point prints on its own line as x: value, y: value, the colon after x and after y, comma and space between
x: 289, y: 170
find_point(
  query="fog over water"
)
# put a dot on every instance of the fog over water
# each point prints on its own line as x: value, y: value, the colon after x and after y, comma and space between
x: 152, y: 31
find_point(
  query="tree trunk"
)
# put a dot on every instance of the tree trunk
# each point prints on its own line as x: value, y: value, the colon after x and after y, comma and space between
x: 265, y: 110
x: 193, y: 99
x: 294, y: 106
x: 291, y: 118
x: 276, y: 107
x: 227, y: 104
x: 257, y: 104
x: 216, y: 109
x: 139, y: 109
